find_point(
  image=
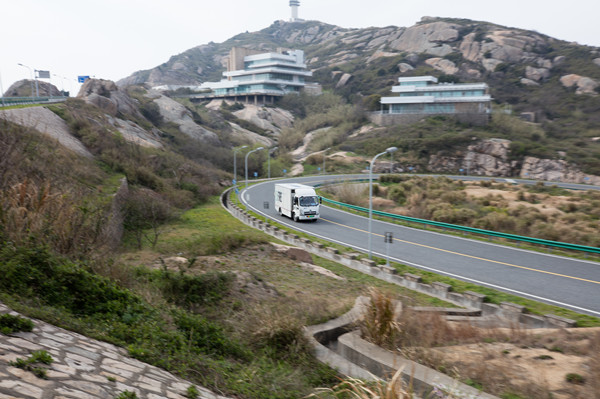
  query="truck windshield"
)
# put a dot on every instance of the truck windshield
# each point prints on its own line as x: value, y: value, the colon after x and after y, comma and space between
x: 309, y: 201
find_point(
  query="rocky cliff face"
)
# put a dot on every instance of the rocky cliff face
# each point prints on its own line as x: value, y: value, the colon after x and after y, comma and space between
x: 491, y: 158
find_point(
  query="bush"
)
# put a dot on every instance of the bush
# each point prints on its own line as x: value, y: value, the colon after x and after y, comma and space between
x: 188, y: 290
x: 10, y: 324
x: 36, y: 273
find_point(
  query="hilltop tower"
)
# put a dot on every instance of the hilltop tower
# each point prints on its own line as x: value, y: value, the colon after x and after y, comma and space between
x: 294, y: 4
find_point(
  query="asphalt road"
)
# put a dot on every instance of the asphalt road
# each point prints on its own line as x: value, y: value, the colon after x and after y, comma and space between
x: 557, y: 280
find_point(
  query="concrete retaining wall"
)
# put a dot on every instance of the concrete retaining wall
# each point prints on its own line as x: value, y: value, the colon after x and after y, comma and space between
x: 358, y: 358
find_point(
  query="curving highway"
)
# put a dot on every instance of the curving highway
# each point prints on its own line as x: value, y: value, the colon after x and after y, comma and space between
x: 557, y: 280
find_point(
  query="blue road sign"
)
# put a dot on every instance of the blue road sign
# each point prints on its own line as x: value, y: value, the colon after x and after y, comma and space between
x: 255, y: 174
x: 82, y: 79
x: 234, y: 181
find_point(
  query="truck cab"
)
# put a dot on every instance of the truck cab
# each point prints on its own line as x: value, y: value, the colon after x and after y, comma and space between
x: 297, y: 201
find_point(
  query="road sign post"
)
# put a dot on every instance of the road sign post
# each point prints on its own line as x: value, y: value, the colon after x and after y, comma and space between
x: 388, y: 240
x: 266, y: 206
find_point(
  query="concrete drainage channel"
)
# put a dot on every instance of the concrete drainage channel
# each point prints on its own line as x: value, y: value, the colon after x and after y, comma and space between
x: 337, y: 345
x: 341, y: 347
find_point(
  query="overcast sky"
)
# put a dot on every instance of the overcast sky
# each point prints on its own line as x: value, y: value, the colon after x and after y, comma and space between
x: 111, y: 39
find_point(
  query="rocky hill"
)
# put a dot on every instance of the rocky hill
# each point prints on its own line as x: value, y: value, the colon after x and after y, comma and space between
x: 521, y: 66
x: 548, y: 81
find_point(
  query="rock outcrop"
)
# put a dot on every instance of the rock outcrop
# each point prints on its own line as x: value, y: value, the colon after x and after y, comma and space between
x: 106, y: 95
x: 584, y: 85
x: 441, y: 64
x: 484, y: 158
x: 27, y: 88
x: 172, y: 111
x: 491, y: 158
x: 268, y: 118
x: 555, y: 170
x: 488, y: 158
x: 46, y: 122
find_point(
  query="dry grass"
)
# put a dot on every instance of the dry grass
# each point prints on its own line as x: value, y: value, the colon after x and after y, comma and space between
x: 379, y: 324
x: 40, y: 212
x: 358, y: 389
x: 509, y: 362
x: 350, y: 193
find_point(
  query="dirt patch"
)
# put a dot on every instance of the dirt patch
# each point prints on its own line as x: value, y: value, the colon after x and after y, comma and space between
x: 533, y: 364
x: 547, y: 204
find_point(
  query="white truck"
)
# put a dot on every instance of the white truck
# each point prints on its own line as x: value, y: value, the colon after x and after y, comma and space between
x: 297, y: 201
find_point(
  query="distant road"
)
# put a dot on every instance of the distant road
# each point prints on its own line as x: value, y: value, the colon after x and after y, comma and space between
x: 557, y: 280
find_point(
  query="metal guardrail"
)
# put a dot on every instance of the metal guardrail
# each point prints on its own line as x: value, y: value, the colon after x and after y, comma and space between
x: 9, y: 101
x: 514, y: 237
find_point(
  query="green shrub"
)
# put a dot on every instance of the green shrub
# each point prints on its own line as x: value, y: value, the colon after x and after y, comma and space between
x: 575, y: 378
x: 30, y: 364
x: 126, y: 395
x: 36, y: 273
x: 188, y: 290
x: 192, y: 392
x: 10, y: 324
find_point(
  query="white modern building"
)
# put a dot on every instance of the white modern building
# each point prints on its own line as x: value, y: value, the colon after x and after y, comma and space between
x: 422, y: 96
x: 260, y: 77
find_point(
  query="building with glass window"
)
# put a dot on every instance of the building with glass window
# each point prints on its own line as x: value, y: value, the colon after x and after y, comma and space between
x: 422, y: 96
x: 260, y: 77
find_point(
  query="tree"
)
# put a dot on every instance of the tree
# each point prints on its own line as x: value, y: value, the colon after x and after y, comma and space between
x: 145, y: 212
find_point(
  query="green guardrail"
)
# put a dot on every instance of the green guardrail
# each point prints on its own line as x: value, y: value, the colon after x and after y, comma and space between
x: 8, y: 101
x: 531, y: 240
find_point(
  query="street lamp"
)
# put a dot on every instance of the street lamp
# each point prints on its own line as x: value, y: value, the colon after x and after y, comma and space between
x: 324, y: 151
x: 388, y: 151
x: 31, y: 73
x: 246, y: 162
x: 235, y: 164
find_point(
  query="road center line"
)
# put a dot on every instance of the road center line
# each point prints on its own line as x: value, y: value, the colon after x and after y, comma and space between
x: 470, y: 256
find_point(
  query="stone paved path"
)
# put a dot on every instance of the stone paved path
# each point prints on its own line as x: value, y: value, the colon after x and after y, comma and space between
x: 83, y: 368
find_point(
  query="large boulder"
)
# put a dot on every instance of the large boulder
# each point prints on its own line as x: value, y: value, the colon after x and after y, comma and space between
x: 536, y: 74
x: 172, y: 111
x: 27, y: 88
x: 268, y: 118
x: 584, y: 85
x: 46, y: 122
x: 430, y: 38
x: 106, y: 95
x: 488, y: 158
x: 441, y: 64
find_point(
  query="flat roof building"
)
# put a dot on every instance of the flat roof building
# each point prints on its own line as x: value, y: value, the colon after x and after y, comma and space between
x: 422, y: 96
x: 260, y: 76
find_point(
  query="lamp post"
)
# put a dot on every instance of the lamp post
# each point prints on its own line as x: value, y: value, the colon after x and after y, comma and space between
x: 235, y: 164
x: 31, y: 74
x: 388, y: 151
x: 325, y: 151
x: 246, y: 162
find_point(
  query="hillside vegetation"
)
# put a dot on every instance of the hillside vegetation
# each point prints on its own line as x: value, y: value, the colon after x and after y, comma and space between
x: 129, y: 244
